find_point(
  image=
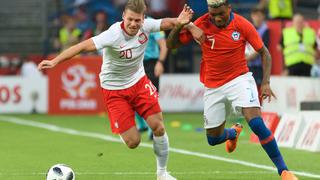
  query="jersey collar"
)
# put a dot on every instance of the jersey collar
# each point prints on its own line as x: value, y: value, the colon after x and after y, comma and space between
x: 124, y: 30
x: 230, y: 18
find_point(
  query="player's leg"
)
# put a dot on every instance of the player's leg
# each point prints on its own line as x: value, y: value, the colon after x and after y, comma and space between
x: 143, y: 126
x: 220, y: 134
x: 147, y: 105
x: 149, y: 66
x: 160, y: 145
x: 123, y: 124
x: 131, y: 137
x: 252, y: 114
x: 141, y: 123
x: 121, y: 116
x: 214, y: 118
x: 241, y: 92
x: 160, y: 140
x: 267, y: 141
x: 244, y: 96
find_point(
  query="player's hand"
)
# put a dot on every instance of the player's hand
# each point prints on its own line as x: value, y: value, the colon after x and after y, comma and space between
x: 158, y: 69
x: 46, y: 64
x: 185, y: 15
x: 266, y: 92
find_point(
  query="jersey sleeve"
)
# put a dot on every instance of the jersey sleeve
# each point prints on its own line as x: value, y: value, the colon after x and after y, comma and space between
x: 104, y: 39
x: 251, y: 35
x: 152, y: 25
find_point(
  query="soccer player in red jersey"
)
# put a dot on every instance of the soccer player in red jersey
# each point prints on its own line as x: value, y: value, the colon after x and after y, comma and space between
x: 226, y: 77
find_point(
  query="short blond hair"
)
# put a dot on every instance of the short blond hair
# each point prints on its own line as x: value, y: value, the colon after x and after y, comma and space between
x: 217, y: 3
x: 137, y: 6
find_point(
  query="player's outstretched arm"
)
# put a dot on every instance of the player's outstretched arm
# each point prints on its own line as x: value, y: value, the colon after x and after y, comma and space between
x: 84, y: 46
x: 182, y: 22
x: 184, y: 18
x: 266, y: 91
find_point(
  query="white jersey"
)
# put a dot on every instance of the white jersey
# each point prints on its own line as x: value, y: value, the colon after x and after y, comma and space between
x: 122, y: 64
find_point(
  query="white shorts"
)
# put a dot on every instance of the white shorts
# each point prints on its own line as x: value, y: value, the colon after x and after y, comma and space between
x: 241, y: 92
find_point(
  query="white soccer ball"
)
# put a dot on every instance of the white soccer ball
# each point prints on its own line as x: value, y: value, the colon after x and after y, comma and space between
x: 60, y: 172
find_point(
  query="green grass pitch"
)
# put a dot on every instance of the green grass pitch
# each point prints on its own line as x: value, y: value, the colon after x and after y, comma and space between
x: 30, y: 144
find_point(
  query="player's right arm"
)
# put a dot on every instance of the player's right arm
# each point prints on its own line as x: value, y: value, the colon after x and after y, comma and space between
x: 84, y: 46
x: 173, y: 40
x: 191, y: 31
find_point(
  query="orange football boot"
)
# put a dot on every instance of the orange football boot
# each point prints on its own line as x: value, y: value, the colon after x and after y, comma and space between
x: 232, y: 144
x: 287, y: 175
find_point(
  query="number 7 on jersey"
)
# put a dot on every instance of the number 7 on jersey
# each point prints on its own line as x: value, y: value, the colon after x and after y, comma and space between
x: 211, y: 38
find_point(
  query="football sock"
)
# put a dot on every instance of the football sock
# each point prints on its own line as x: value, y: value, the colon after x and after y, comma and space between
x: 161, y: 150
x: 227, y: 134
x: 268, y: 143
x: 141, y: 122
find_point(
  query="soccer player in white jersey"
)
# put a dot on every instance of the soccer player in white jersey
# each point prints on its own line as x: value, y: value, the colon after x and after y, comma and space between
x: 125, y: 87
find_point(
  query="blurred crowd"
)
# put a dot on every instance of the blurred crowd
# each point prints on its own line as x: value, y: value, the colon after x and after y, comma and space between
x: 78, y: 20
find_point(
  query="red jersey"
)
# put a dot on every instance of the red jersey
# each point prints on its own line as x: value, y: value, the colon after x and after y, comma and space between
x: 223, y: 57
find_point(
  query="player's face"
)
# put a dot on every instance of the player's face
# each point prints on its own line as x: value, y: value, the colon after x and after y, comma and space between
x: 220, y: 15
x: 132, y: 21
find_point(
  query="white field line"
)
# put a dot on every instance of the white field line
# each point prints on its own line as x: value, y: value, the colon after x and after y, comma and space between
x: 141, y: 173
x: 55, y: 128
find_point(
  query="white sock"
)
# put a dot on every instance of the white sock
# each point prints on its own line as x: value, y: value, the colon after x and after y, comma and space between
x: 161, y: 150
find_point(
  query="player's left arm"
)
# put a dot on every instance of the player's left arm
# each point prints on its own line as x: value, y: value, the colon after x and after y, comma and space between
x: 266, y: 91
x: 253, y: 37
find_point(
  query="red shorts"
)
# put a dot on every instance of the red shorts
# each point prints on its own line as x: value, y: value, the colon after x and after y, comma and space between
x: 122, y: 104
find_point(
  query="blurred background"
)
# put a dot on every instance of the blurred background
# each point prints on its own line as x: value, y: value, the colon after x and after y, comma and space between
x: 33, y: 29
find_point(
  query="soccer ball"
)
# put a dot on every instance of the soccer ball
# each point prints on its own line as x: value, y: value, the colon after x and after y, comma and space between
x: 60, y: 172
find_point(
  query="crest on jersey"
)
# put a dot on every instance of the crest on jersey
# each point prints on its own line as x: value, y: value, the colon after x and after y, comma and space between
x: 142, y: 38
x: 235, y: 35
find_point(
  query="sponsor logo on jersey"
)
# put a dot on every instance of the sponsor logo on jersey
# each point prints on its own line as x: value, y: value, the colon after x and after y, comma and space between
x: 235, y: 35
x: 142, y: 38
